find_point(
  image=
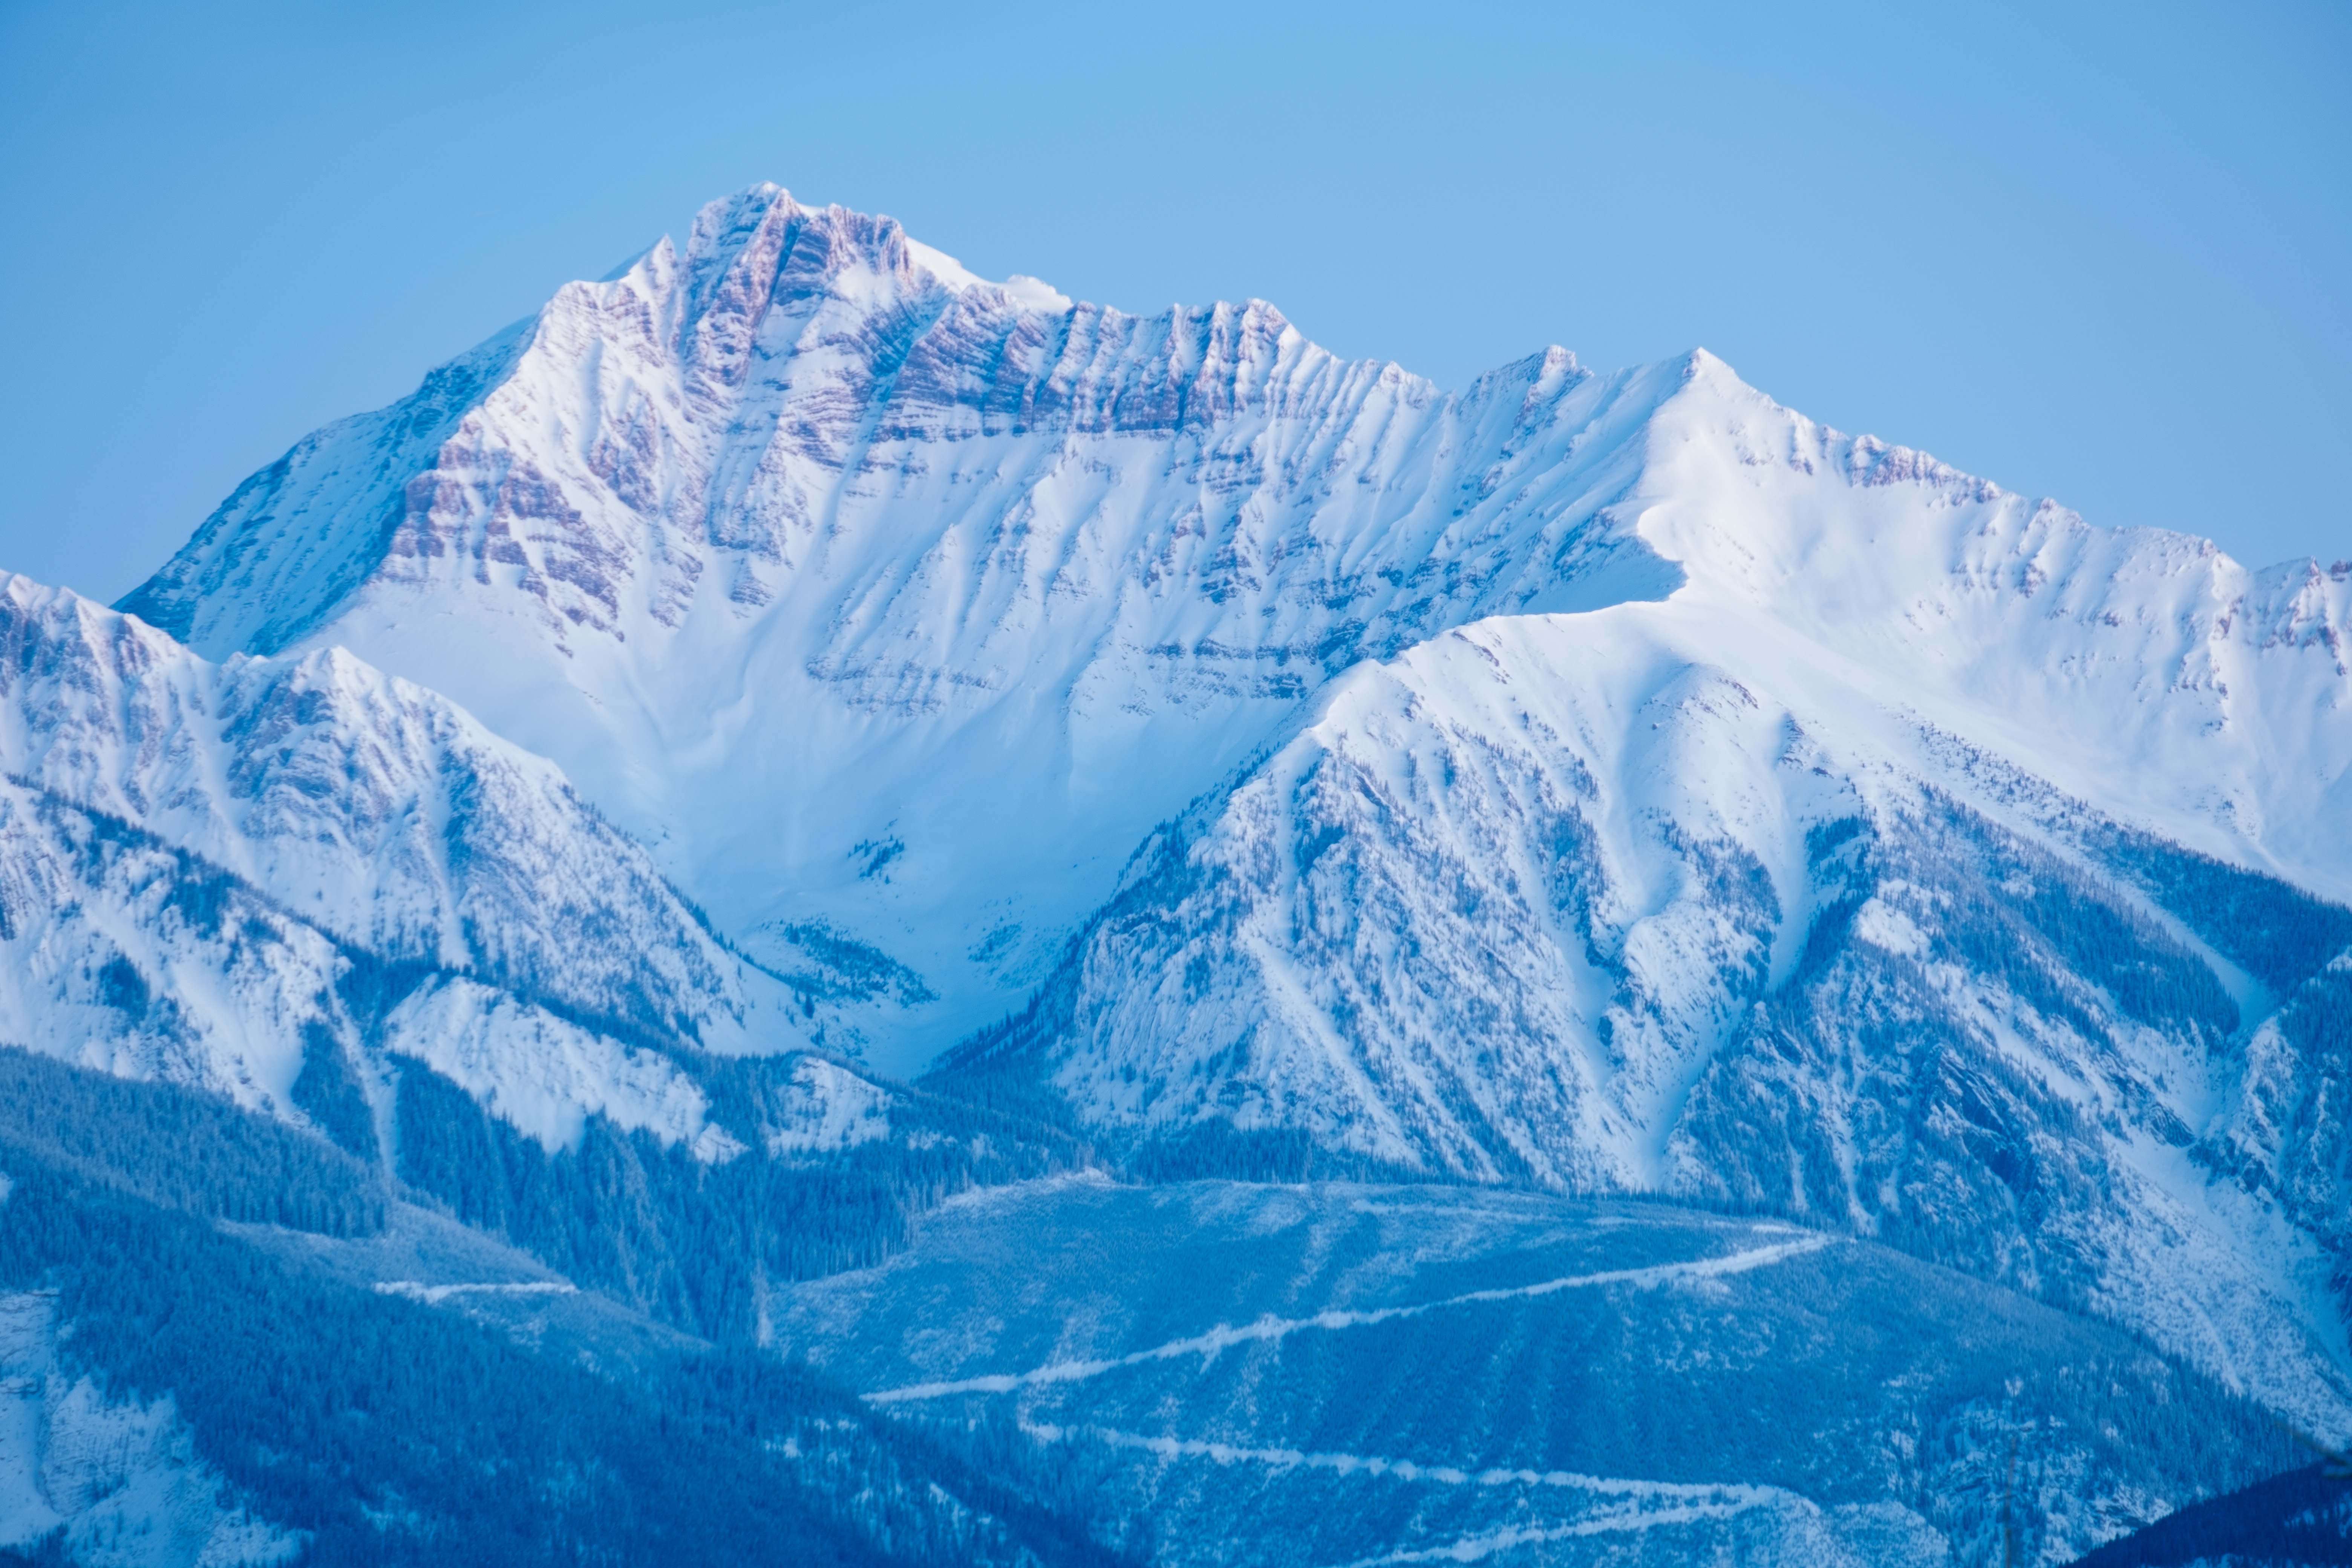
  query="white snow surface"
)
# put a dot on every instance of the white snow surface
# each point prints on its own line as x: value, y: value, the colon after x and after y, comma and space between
x: 827, y: 1106
x: 546, y: 1075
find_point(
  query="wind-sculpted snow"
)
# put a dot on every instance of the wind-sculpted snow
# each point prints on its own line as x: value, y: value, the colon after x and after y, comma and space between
x: 1438, y: 1374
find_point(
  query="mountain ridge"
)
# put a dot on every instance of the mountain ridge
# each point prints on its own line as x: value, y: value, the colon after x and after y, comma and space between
x: 681, y: 504
x: 1594, y: 782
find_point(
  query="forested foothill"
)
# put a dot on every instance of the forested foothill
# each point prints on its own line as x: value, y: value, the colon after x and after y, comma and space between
x: 383, y: 1430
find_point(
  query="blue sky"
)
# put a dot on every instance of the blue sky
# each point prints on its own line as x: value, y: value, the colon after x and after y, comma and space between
x: 2098, y: 252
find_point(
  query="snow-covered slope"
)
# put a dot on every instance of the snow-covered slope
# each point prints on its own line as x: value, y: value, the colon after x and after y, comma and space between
x: 212, y: 873
x: 367, y: 806
x: 886, y: 603
x: 1607, y: 903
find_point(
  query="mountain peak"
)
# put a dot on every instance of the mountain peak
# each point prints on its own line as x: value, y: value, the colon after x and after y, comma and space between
x: 783, y: 339
x: 807, y: 248
x: 807, y: 487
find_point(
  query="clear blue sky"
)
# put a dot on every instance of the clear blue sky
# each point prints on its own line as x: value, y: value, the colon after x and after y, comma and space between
x: 2100, y: 252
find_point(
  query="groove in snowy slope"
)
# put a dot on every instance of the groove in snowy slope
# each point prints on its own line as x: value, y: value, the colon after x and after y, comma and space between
x: 1272, y: 1330
x: 1403, y: 1469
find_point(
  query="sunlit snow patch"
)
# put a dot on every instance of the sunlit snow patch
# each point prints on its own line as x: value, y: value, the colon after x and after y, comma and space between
x: 547, y: 1077
x: 827, y: 1107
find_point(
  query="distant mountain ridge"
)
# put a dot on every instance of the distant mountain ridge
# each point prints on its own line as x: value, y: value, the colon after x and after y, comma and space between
x: 344, y: 809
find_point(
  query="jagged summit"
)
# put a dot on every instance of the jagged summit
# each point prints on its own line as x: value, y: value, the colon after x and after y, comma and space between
x: 887, y: 341
x: 847, y: 581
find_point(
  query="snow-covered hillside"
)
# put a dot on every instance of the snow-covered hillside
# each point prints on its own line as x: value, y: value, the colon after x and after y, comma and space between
x: 1340, y: 1373
x: 1606, y: 902
x: 214, y: 873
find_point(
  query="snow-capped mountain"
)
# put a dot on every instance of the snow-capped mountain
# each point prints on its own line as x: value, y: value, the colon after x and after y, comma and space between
x: 120, y: 1478
x: 198, y: 854
x: 889, y: 604
x: 1602, y: 782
